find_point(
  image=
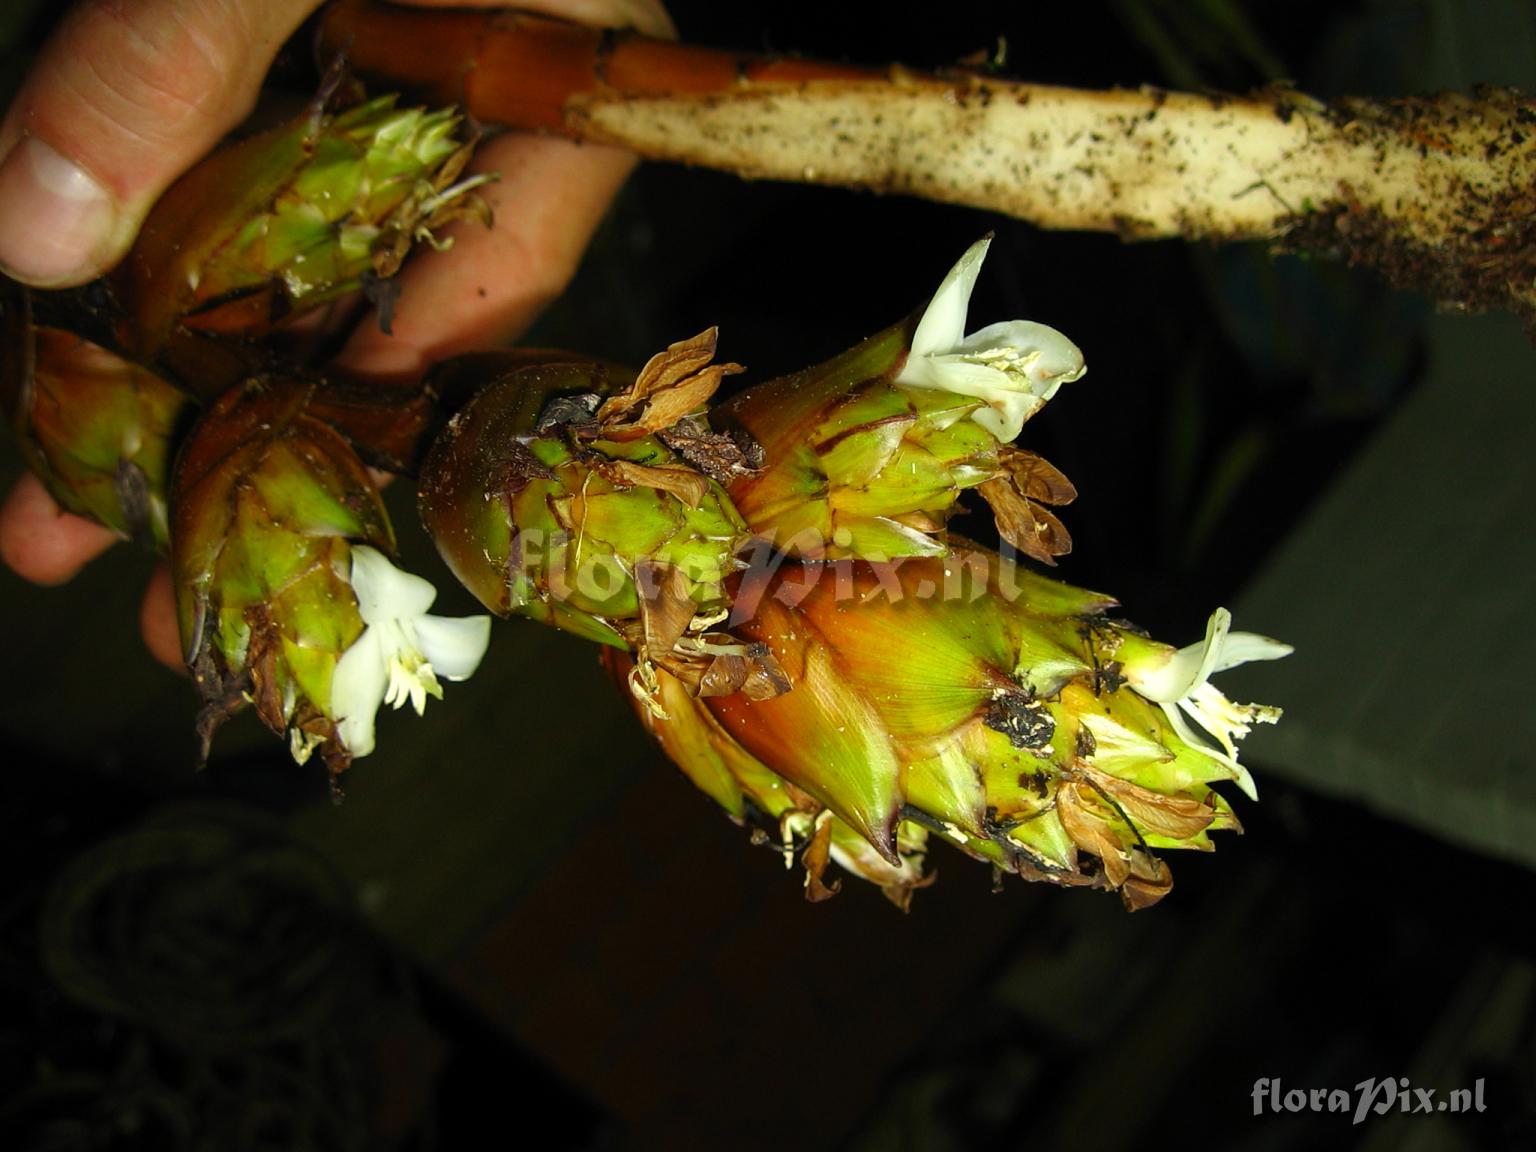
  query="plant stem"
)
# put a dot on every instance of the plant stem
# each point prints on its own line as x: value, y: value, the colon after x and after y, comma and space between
x: 1438, y: 193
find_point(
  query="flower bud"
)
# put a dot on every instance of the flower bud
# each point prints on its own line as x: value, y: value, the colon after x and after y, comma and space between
x: 295, y: 216
x: 98, y: 431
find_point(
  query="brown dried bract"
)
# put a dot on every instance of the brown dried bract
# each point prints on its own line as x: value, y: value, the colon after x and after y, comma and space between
x: 1131, y: 869
x: 1092, y: 831
x: 687, y: 485
x: 1140, y: 892
x: 672, y: 385
x: 665, y: 609
x: 1027, y: 482
x: 815, y: 858
x: 712, y: 664
x: 1177, y: 817
x: 754, y: 672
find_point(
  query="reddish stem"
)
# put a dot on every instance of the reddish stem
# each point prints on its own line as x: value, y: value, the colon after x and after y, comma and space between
x: 522, y: 70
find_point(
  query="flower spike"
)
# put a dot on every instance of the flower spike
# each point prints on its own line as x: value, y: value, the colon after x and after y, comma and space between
x: 866, y: 455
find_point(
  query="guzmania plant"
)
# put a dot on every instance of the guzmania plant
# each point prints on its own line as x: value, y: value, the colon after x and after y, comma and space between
x: 770, y: 575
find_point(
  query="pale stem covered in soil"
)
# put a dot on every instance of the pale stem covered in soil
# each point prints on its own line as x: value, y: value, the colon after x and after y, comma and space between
x: 1439, y: 194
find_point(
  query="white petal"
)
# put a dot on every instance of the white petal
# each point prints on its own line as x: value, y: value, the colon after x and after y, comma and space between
x: 1050, y: 359
x: 966, y: 376
x: 943, y: 324
x: 1000, y: 424
x: 999, y: 364
x: 1170, y: 679
x: 1246, y: 647
x: 357, y: 734
x: 1188, y: 668
x: 357, y: 690
x: 1005, y: 417
x: 1241, y: 775
x: 920, y: 372
x: 454, y: 646
x: 1009, y: 401
x: 1185, y: 669
x: 383, y: 591
x: 1216, y: 630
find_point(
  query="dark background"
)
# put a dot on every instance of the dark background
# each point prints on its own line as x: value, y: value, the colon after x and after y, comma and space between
x: 523, y: 923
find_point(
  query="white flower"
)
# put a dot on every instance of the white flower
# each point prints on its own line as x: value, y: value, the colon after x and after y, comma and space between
x: 1015, y: 366
x: 402, y: 651
x: 1180, y: 682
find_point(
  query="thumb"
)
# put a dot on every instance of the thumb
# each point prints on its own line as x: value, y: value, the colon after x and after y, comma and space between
x: 125, y: 96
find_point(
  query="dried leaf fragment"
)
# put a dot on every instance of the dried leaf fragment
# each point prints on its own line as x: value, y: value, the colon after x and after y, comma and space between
x: 1028, y: 482
x: 687, y: 485
x: 815, y: 858
x: 1149, y: 811
x: 672, y: 385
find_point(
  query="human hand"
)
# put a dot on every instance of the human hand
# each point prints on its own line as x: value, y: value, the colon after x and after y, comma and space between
x: 127, y: 95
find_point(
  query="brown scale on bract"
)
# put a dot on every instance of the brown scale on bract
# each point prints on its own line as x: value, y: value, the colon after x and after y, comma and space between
x: 722, y: 456
x: 1018, y: 716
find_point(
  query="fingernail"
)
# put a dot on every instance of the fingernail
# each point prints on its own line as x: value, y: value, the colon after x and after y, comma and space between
x: 55, y: 220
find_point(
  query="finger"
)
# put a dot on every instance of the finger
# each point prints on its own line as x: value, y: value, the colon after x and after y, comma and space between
x: 124, y: 97
x: 157, y: 620
x: 41, y: 542
x: 550, y: 197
